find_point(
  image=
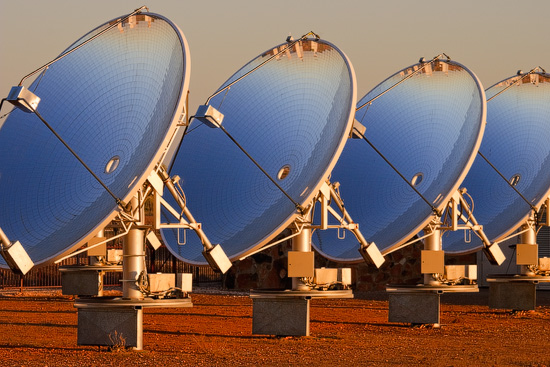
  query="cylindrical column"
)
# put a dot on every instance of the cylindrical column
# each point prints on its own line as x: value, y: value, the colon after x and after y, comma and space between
x: 133, y: 263
x: 432, y: 243
x: 302, y: 243
x: 528, y: 237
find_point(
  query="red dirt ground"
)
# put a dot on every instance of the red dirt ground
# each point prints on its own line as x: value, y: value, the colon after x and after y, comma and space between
x: 39, y: 328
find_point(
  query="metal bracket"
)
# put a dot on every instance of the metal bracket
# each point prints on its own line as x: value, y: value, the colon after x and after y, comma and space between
x: 369, y: 251
x: 160, y: 203
x: 214, y: 254
x: 358, y: 130
x: 209, y: 116
x: 491, y: 250
x: 23, y: 99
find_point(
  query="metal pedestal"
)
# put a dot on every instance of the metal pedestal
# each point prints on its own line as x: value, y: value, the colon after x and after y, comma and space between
x: 419, y: 304
x: 514, y: 292
x: 116, y: 322
x: 286, y: 312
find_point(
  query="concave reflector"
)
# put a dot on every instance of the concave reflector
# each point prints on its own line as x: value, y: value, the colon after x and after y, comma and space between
x: 116, y: 96
x: 294, y: 111
x: 431, y: 123
x: 517, y: 143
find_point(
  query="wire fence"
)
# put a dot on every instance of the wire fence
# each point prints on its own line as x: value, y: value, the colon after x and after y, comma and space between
x: 160, y: 260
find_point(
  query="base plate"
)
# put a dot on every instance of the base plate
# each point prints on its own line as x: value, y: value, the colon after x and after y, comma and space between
x: 493, y: 278
x: 288, y: 293
x: 421, y: 288
x: 114, y: 302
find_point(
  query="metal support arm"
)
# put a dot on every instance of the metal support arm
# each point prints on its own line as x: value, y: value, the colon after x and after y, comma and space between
x: 491, y: 250
x: 369, y: 251
x: 4, y: 241
x: 214, y: 254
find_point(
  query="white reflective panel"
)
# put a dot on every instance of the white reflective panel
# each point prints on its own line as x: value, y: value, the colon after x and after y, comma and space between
x: 114, y: 101
x: 517, y: 143
x: 292, y: 115
x: 429, y: 128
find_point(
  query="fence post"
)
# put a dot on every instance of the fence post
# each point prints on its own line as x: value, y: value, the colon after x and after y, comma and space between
x: 152, y: 260
x: 174, y: 266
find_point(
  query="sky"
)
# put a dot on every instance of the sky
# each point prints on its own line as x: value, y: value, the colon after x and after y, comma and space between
x: 493, y: 38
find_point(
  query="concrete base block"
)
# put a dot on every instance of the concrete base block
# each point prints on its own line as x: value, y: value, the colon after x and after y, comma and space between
x: 414, y: 308
x: 118, y: 327
x: 521, y: 296
x: 280, y: 316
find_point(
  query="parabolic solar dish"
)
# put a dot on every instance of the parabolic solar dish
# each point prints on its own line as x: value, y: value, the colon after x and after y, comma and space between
x: 517, y: 143
x: 292, y: 115
x: 429, y: 127
x: 115, y: 102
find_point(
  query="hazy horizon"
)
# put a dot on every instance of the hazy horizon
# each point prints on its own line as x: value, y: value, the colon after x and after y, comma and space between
x: 492, y: 38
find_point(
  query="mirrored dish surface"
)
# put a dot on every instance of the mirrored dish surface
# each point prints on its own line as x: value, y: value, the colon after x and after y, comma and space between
x: 517, y: 143
x: 429, y: 127
x: 114, y: 101
x: 292, y: 115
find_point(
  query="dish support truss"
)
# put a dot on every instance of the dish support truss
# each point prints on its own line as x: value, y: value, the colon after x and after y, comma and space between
x: 96, y: 313
x: 419, y: 304
x: 517, y: 292
x: 286, y: 312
